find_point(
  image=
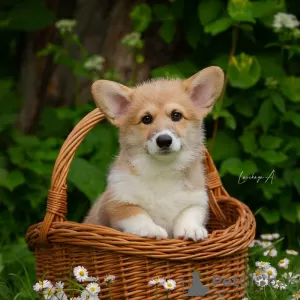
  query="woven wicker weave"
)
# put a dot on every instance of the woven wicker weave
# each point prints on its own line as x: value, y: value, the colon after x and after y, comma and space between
x: 59, y: 244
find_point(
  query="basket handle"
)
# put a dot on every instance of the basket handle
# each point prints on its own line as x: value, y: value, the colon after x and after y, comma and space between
x: 57, y: 194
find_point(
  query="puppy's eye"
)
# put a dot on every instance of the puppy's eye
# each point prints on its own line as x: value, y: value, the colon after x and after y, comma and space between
x: 176, y: 116
x: 147, y: 119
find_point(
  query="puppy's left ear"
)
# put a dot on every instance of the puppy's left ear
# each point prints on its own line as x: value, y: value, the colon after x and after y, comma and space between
x: 204, y: 88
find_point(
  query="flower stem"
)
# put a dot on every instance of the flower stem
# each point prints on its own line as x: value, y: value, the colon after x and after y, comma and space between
x: 167, y: 295
x: 156, y: 291
x: 110, y: 295
x: 231, y: 55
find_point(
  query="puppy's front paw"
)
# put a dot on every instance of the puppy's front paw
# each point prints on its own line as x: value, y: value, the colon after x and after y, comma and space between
x: 150, y: 230
x: 190, y: 232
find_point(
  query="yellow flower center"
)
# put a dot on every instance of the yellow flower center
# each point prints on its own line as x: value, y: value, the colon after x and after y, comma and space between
x: 169, y: 284
x: 81, y: 273
x: 93, y: 289
x: 270, y: 272
x: 49, y: 292
x: 262, y: 262
x: 282, y: 261
x: 258, y: 272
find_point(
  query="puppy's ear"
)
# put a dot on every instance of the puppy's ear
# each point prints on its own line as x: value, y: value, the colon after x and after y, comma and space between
x: 204, y: 88
x: 112, y: 98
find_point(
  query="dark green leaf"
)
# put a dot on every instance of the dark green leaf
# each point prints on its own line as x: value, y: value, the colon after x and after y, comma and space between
x: 293, y: 117
x: 290, y: 87
x: 11, y: 180
x: 271, y: 66
x: 266, y: 114
x: 163, y: 12
x: 270, y: 142
x: 248, y: 141
x: 270, y: 216
x: 263, y: 9
x: 245, y: 108
x: 288, y: 209
x: 209, y: 11
x: 141, y: 17
x: 218, y: 26
x: 167, y: 31
x: 271, y: 156
x: 278, y: 101
x: 240, y: 11
x: 87, y: 178
x: 232, y: 166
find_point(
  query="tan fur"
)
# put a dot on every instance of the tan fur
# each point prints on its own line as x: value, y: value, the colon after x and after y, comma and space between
x: 158, y: 98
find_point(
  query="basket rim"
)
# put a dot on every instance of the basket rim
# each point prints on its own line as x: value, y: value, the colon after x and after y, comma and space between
x: 221, y: 242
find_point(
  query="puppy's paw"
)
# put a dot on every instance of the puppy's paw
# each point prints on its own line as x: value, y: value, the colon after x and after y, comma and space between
x: 190, y: 232
x: 148, y: 229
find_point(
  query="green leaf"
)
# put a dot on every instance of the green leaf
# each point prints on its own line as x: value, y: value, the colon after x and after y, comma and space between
x: 248, y: 141
x: 208, y: 11
x: 271, y: 186
x: 290, y: 87
x: 219, y: 152
x: 141, y: 17
x: 244, y: 71
x: 278, y: 101
x: 162, y: 12
x: 11, y: 180
x: 240, y: 11
x: 266, y: 114
x: 218, y: 26
x: 288, y: 209
x: 30, y: 15
x: 293, y: 117
x: 167, y: 31
x: 263, y: 9
x: 244, y: 108
x: 270, y: 142
x: 271, y: 66
x: 271, y: 216
x: 232, y: 166
x: 271, y: 156
x: 296, y: 180
x: 87, y: 178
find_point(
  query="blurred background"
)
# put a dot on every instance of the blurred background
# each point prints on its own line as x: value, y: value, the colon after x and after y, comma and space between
x: 51, y: 52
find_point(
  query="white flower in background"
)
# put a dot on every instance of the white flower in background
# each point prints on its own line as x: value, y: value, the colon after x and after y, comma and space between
x: 65, y: 26
x: 170, y: 284
x: 284, y: 20
x: 284, y: 263
x: 266, y: 237
x: 42, y: 285
x: 271, y: 272
x: 157, y: 281
x: 93, y: 288
x: 80, y: 273
x: 266, y: 244
x: 296, y: 296
x: 262, y: 264
x: 49, y: 293
x: 85, y: 295
x: 292, y: 252
x: 75, y: 298
x: 245, y: 298
x: 110, y: 278
x: 276, y: 236
x: 92, y: 279
x: 272, y: 83
x: 291, y: 278
x: 59, y: 286
x: 94, y: 63
x: 132, y: 39
x: 262, y: 281
x: 60, y: 296
x: 254, y: 243
x: 272, y: 252
x: 279, y: 285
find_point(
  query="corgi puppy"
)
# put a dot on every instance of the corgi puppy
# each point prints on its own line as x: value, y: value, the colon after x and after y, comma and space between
x: 156, y: 186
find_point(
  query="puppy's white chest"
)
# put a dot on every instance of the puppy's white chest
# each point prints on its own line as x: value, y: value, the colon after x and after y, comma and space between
x: 163, y: 197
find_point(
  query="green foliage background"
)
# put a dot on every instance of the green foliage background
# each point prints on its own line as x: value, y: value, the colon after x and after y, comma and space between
x: 254, y: 127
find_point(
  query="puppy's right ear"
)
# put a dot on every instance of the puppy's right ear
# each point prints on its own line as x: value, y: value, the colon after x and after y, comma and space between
x: 112, y: 98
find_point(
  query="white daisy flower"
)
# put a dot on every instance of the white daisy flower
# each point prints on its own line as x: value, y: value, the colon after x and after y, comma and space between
x: 49, y: 293
x: 284, y: 20
x: 42, y: 285
x: 262, y: 282
x: 109, y: 278
x: 254, y: 243
x: 271, y: 272
x: 65, y: 26
x: 59, y: 286
x: 60, y: 296
x: 93, y: 288
x: 245, y: 298
x: 284, y: 263
x: 276, y: 236
x: 86, y: 295
x: 157, y: 281
x: 75, y: 298
x: 266, y: 244
x: 296, y: 296
x: 266, y: 237
x: 169, y: 284
x: 291, y: 278
x: 292, y: 252
x: 262, y: 264
x: 80, y: 273
x: 272, y: 252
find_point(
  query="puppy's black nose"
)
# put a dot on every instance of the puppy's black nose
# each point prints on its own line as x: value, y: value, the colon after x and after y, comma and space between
x: 164, y: 141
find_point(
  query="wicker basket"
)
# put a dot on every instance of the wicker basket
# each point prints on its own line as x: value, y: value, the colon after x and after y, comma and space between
x: 59, y: 244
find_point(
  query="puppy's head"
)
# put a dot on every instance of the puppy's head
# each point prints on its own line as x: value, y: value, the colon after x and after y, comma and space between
x: 162, y: 118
